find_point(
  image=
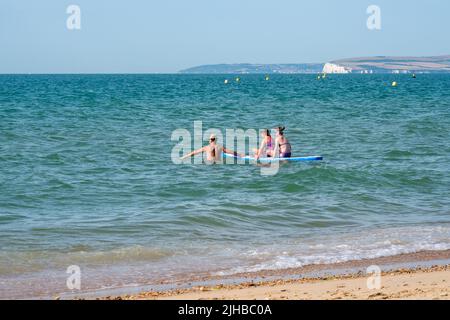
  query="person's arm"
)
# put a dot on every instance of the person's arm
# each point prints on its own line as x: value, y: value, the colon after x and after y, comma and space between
x: 261, y: 148
x: 276, y: 149
x: 193, y: 153
x: 232, y: 152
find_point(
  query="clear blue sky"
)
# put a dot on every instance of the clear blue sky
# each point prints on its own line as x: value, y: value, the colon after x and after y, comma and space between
x: 169, y: 35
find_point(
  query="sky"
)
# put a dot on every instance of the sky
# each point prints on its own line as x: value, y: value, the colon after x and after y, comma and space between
x: 165, y: 36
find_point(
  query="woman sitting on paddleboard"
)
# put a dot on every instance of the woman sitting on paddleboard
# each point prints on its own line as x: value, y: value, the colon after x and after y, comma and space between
x: 267, y: 144
x: 282, y: 144
x: 213, y: 151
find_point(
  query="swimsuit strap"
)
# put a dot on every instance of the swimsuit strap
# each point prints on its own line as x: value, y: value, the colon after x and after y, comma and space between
x: 269, y: 143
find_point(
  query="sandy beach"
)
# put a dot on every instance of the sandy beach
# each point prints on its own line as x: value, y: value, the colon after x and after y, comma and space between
x: 415, y: 282
x: 432, y: 283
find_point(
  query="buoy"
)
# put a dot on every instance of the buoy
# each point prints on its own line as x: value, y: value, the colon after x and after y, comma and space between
x: 324, y: 76
x: 238, y: 79
x: 267, y: 78
x: 414, y: 76
x: 394, y: 84
x: 319, y: 77
x: 226, y: 81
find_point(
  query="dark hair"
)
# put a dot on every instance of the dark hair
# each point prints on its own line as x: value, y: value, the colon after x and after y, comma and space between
x: 213, y: 151
x: 281, y: 129
x: 268, y: 132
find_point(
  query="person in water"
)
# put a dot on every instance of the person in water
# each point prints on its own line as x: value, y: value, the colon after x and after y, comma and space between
x: 267, y: 145
x: 282, y: 145
x: 213, y: 151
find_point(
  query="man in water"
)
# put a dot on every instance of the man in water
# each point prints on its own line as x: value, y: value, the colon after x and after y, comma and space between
x: 213, y: 151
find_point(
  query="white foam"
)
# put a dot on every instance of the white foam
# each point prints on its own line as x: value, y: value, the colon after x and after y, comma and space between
x: 367, y: 244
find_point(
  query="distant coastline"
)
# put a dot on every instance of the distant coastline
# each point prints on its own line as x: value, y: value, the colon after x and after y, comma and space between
x: 365, y: 65
x: 248, y: 68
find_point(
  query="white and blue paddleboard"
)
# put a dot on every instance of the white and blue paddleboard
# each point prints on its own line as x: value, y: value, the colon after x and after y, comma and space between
x: 295, y: 159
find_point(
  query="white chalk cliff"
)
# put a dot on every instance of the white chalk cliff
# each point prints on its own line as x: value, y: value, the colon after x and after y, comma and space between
x: 334, y: 68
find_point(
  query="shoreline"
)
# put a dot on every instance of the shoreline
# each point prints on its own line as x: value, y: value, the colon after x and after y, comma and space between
x: 421, y: 283
x: 413, y: 270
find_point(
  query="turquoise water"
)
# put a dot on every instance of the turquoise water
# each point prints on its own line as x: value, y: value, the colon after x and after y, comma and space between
x: 87, y: 179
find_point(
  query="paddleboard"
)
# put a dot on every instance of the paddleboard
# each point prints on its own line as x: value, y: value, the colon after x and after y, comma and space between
x: 294, y: 159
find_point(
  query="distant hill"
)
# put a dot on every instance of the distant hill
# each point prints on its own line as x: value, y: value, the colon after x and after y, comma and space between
x: 386, y: 64
x: 380, y: 64
x: 246, y: 68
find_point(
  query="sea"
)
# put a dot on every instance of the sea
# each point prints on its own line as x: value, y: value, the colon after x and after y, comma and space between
x: 91, y: 198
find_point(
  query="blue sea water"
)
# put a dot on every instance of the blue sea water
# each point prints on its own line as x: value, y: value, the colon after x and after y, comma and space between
x: 86, y: 176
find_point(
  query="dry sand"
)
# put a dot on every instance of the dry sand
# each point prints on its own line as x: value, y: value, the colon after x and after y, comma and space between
x: 422, y: 283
